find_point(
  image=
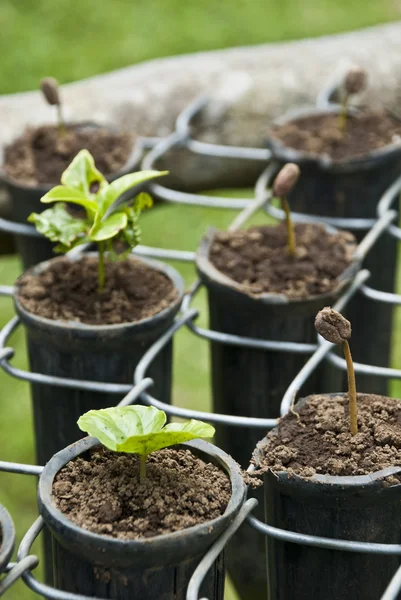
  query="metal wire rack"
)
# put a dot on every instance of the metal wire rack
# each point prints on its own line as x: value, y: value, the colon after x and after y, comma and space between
x: 317, y: 352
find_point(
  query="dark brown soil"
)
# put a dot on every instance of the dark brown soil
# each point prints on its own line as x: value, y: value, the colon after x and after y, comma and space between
x: 320, y: 134
x: 41, y: 155
x: 316, y: 438
x: 68, y: 291
x: 102, y: 493
x: 257, y: 258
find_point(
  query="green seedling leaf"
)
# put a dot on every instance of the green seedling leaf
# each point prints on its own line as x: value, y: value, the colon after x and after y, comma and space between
x: 60, y: 193
x: 117, y: 188
x: 59, y: 226
x: 139, y: 429
x: 109, y: 228
x: 82, y: 173
x: 143, y: 200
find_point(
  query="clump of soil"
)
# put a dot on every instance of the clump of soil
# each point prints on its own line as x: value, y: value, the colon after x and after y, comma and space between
x: 41, y: 155
x: 320, y: 134
x: 316, y: 438
x: 102, y: 493
x: 257, y: 258
x: 68, y: 291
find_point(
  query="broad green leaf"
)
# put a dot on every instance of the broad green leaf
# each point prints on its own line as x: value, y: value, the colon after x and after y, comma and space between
x: 121, y: 185
x: 59, y: 226
x: 81, y: 173
x: 60, y: 193
x: 108, y: 228
x: 139, y: 429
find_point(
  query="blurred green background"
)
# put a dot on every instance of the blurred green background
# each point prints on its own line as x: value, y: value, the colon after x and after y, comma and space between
x: 74, y: 40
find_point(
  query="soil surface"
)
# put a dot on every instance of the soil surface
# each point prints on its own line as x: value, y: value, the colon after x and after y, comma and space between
x: 41, y: 155
x: 316, y: 438
x: 320, y: 134
x: 68, y: 291
x: 258, y: 259
x: 102, y: 493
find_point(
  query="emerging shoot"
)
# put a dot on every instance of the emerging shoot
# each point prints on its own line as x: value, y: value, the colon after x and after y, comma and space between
x: 140, y: 430
x: 354, y: 82
x: 50, y: 91
x: 334, y: 328
x: 109, y: 218
x: 283, y: 185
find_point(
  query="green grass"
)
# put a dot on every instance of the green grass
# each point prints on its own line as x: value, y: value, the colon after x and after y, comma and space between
x: 73, y: 40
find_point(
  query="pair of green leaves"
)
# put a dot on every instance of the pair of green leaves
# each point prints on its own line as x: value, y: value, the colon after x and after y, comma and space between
x: 139, y: 429
x: 105, y: 214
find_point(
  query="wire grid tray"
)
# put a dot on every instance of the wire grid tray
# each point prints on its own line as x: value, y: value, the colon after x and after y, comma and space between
x: 318, y: 352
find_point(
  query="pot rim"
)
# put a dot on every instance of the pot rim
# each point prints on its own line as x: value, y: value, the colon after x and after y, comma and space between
x: 42, y: 188
x: 8, y: 537
x: 58, y: 325
x: 209, y: 273
x: 324, y: 160
x: 335, y: 482
x: 54, y: 517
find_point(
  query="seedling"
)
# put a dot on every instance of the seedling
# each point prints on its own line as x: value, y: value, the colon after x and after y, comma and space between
x: 109, y: 217
x: 334, y: 328
x: 283, y: 185
x: 354, y: 82
x: 50, y: 91
x: 140, y: 430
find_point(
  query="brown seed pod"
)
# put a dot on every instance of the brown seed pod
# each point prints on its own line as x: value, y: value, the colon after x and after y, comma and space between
x: 355, y: 80
x: 49, y: 88
x: 332, y: 326
x: 286, y: 180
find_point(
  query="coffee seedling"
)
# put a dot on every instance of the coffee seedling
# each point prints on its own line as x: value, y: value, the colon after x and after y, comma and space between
x: 283, y: 185
x: 50, y: 91
x: 140, y: 430
x: 334, y: 328
x: 354, y: 82
x: 108, y: 216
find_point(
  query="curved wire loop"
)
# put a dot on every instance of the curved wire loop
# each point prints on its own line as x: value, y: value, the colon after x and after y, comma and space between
x: 16, y: 570
x: 394, y: 587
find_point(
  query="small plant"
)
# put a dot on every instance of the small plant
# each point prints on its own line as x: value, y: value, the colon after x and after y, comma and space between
x: 354, y: 82
x: 334, y: 328
x: 140, y: 430
x: 108, y: 218
x: 283, y: 185
x: 50, y: 91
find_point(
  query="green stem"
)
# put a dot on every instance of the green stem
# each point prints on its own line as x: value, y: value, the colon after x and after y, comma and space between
x: 142, y: 467
x: 290, y: 227
x: 101, y: 267
x: 61, y: 124
x: 342, y: 119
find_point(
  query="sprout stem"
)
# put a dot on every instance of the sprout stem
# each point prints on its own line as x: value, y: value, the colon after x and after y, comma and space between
x: 142, y: 468
x: 61, y: 124
x: 101, y: 267
x: 290, y: 227
x: 351, y: 389
x: 342, y: 119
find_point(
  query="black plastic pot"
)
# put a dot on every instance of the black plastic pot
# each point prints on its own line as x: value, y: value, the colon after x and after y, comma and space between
x: 158, y: 567
x: 26, y: 199
x: 252, y: 382
x: 107, y: 353
x: 7, y: 538
x: 352, y: 189
x: 363, y: 508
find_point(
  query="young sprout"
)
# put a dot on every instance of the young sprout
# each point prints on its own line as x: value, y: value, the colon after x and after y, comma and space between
x: 283, y: 185
x: 334, y: 328
x: 140, y: 430
x: 354, y: 82
x: 108, y: 216
x: 49, y: 89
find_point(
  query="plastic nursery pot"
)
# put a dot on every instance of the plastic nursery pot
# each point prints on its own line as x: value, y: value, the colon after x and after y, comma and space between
x: 26, y: 199
x: 252, y: 382
x: 158, y: 567
x: 7, y: 538
x: 358, y: 508
x: 351, y: 188
x: 106, y: 353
